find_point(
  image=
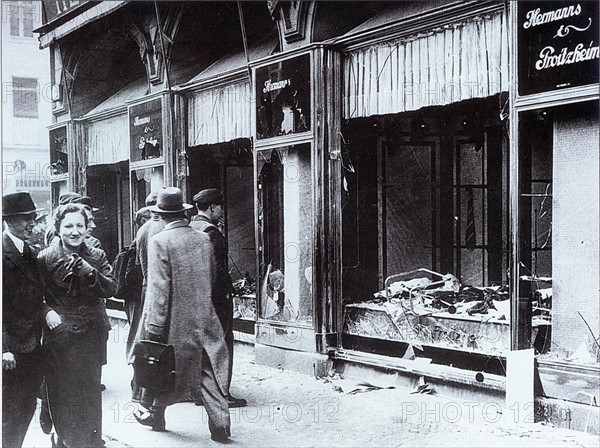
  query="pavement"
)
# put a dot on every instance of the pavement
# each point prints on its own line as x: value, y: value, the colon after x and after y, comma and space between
x: 294, y: 410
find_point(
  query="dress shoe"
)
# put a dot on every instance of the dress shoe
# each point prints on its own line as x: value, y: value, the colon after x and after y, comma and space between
x: 154, y: 419
x: 220, y: 435
x: 236, y: 402
x: 45, y: 419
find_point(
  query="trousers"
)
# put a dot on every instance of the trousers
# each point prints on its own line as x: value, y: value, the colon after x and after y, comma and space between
x: 20, y: 387
x: 215, y: 402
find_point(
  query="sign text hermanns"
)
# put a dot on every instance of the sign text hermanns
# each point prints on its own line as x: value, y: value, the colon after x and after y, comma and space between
x: 557, y: 45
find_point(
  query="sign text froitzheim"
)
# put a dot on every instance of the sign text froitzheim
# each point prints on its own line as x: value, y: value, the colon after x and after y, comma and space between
x: 557, y: 45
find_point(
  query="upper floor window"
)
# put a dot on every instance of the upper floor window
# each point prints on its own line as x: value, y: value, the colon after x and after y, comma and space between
x: 21, y: 17
x: 25, y: 97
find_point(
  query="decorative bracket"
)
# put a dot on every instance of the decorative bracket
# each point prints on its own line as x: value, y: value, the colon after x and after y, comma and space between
x: 152, y: 42
x: 292, y: 16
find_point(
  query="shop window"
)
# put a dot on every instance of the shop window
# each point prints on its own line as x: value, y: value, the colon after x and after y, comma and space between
x: 59, y: 157
x: 425, y: 228
x: 435, y: 212
x: 285, y: 219
x: 25, y: 97
x: 143, y: 182
x: 283, y: 98
x: 145, y: 130
x: 558, y: 233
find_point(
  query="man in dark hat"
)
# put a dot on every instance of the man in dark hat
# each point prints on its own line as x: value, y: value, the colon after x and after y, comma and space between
x: 23, y: 312
x: 209, y: 203
x: 179, y: 310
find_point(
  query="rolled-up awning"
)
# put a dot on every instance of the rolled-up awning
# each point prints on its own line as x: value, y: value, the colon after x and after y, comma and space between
x: 219, y: 98
x: 448, y: 64
x: 107, y: 140
x: 219, y: 114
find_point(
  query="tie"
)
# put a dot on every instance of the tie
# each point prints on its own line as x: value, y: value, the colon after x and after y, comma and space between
x: 27, y: 253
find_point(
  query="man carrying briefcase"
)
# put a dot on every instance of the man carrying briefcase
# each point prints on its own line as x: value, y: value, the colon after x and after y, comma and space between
x: 179, y: 310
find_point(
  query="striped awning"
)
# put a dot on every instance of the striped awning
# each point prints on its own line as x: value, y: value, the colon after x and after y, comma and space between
x: 448, y: 64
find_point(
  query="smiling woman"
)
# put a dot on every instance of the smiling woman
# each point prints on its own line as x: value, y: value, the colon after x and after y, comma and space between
x: 72, y: 229
x: 77, y: 278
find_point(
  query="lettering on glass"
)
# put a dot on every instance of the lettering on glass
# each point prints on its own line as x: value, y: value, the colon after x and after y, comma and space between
x: 558, y: 45
x: 283, y: 98
x: 145, y: 128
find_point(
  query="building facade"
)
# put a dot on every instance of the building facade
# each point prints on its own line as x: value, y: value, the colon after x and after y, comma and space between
x: 399, y: 176
x: 26, y: 103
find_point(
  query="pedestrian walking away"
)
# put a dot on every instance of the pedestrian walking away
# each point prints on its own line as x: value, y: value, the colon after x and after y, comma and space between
x: 210, y: 203
x: 179, y: 310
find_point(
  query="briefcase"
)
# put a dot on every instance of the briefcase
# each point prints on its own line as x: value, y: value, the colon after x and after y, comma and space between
x: 154, y: 366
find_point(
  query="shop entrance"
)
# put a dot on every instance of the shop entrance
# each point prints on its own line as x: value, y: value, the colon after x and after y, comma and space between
x: 108, y: 186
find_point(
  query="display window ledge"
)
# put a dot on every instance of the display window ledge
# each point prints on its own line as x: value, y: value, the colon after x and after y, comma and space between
x: 447, y: 374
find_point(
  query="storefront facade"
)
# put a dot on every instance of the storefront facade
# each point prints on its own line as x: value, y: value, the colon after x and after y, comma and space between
x: 390, y: 193
x: 554, y: 200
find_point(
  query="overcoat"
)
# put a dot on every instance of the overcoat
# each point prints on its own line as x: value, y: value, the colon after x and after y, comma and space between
x: 181, y: 281
x: 223, y: 287
x: 142, y: 237
x: 22, y: 300
x: 22, y: 315
x: 76, y: 349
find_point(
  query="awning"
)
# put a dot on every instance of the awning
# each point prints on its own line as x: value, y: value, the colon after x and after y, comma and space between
x: 107, y: 126
x: 219, y: 114
x: 86, y: 16
x: 452, y: 63
x: 132, y: 91
x: 220, y: 98
x: 107, y: 140
x: 233, y: 63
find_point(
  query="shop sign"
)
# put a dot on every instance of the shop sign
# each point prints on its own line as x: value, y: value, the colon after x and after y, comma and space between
x: 283, y: 98
x: 557, y: 45
x: 145, y: 130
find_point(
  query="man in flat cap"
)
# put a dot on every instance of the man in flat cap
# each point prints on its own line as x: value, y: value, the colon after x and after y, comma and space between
x: 23, y: 312
x: 179, y: 311
x: 209, y: 203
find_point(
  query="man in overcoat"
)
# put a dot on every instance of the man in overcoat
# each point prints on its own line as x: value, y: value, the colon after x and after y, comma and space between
x: 150, y: 228
x: 23, y: 312
x: 179, y: 311
x: 209, y: 203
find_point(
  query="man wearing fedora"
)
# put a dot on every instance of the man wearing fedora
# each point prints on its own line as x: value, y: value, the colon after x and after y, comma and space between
x: 209, y: 203
x: 179, y: 310
x: 22, y: 313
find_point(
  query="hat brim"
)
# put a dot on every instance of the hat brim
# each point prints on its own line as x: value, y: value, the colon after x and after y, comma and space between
x: 25, y: 212
x: 157, y: 209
